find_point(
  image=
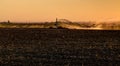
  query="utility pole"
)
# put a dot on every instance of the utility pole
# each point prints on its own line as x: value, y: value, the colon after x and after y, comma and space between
x: 8, y: 21
x: 56, y: 23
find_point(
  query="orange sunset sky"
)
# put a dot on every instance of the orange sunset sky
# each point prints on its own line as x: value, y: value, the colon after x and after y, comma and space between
x: 48, y: 10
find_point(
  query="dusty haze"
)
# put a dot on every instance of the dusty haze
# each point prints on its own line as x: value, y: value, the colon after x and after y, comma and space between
x: 48, y: 10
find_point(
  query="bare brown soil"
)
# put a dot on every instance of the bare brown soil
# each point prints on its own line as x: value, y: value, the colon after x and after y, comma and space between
x: 59, y: 47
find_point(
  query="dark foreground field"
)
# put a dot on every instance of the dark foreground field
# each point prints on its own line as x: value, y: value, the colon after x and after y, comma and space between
x: 59, y: 47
